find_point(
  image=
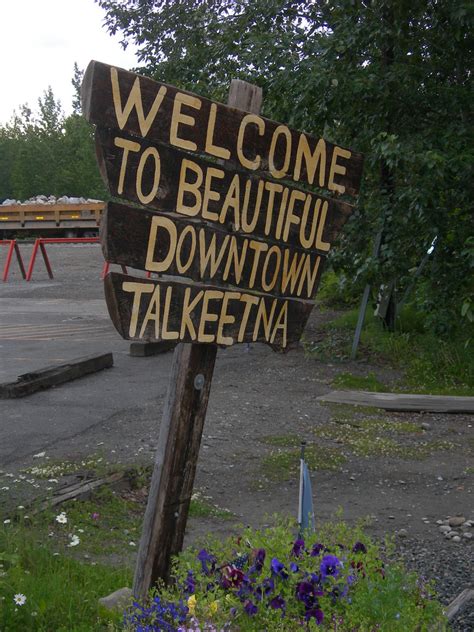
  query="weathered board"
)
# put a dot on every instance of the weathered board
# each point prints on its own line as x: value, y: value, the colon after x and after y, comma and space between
x: 168, y: 244
x: 115, y: 98
x: 167, y: 179
x: 145, y: 309
x: 403, y: 401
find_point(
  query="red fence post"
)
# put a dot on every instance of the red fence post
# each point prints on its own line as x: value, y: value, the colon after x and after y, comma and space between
x: 12, y: 247
x: 31, y: 265
x: 40, y: 242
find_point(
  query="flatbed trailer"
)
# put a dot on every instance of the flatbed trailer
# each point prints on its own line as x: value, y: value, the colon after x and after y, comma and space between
x: 68, y: 220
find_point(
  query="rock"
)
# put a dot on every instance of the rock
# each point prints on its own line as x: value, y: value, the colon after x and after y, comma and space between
x: 468, y: 535
x: 444, y: 528
x: 456, y: 539
x: 440, y: 522
x: 117, y: 600
x: 426, y: 426
x: 456, y: 521
x: 402, y: 533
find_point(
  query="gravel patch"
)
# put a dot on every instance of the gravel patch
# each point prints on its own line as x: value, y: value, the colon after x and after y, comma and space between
x: 449, y: 565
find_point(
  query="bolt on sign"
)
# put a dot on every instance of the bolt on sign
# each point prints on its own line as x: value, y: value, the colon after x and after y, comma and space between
x: 227, y: 216
x: 235, y: 215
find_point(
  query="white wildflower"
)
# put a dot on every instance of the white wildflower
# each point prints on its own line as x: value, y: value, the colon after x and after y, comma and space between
x: 19, y: 599
x: 74, y: 540
x: 61, y: 518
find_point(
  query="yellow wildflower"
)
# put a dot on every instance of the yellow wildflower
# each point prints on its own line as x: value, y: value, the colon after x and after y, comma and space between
x: 192, y: 604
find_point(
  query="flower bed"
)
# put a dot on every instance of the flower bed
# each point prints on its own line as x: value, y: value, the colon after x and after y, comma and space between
x: 268, y: 580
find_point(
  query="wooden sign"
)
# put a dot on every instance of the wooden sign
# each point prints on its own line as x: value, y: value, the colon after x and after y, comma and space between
x: 121, y: 100
x: 228, y: 222
x: 168, y: 244
x: 223, y: 223
x: 143, y: 309
x: 167, y: 179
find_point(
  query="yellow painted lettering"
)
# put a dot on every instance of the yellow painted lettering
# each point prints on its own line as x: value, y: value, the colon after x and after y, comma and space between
x: 138, y: 289
x: 312, y: 160
x: 247, y: 120
x: 210, y: 148
x: 167, y: 224
x: 150, y: 152
x: 209, y: 194
x: 225, y: 318
x: 127, y: 146
x: 189, y: 188
x: 152, y: 313
x: 281, y: 130
x: 178, y: 118
x: 338, y: 169
x: 134, y: 101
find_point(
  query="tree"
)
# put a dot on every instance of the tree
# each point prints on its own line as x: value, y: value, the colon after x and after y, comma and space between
x: 390, y: 78
x: 45, y: 152
x: 77, y: 82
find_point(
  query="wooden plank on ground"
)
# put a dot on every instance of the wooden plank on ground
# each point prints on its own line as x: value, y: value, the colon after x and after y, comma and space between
x: 145, y: 349
x: 47, y: 377
x: 402, y: 401
x: 459, y: 603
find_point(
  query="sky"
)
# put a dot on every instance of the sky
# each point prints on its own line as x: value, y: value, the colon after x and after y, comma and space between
x: 39, y: 42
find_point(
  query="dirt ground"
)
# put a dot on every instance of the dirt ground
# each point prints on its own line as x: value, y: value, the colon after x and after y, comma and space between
x: 404, y: 471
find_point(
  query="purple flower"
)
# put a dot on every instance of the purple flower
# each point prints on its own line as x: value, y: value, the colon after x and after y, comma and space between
x: 190, y: 584
x: 278, y: 568
x: 314, y: 613
x: 330, y: 565
x: 298, y: 548
x: 294, y: 567
x: 250, y: 608
x: 307, y: 592
x: 359, y: 547
x: 278, y: 603
x: 259, y: 559
x: 266, y: 588
x: 317, y: 548
x: 205, y: 558
x: 232, y: 577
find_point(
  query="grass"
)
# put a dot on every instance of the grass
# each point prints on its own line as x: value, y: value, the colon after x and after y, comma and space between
x: 429, y: 364
x: 367, y: 382
x: 283, y: 462
x: 61, y: 591
x: 352, y: 430
x: 364, y: 432
x: 64, y: 566
x: 373, y: 440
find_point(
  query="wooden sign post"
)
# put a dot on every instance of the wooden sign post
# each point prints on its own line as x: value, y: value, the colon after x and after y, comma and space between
x: 224, y: 211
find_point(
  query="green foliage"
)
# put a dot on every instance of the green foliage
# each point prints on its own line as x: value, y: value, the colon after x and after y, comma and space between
x: 362, y: 591
x: 336, y: 291
x: 391, y: 79
x: 45, y: 152
x: 430, y: 364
